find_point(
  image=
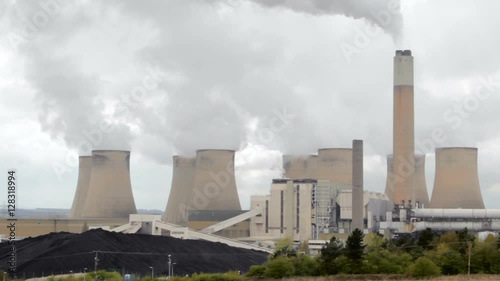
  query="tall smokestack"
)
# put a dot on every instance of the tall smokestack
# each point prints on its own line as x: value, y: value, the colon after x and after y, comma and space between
x: 180, y: 190
x: 214, y: 182
x: 389, y: 184
x: 82, y: 186
x: 357, y: 185
x: 110, y: 192
x: 421, y: 194
x: 403, y: 134
x: 335, y: 165
x: 456, y: 182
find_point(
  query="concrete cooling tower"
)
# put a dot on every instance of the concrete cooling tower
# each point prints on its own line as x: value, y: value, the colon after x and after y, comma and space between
x: 180, y: 190
x: 296, y: 166
x: 419, y: 192
x: 456, y: 182
x: 335, y: 165
x: 82, y: 186
x: 110, y: 192
x: 403, y: 127
x: 214, y: 182
x: 420, y: 184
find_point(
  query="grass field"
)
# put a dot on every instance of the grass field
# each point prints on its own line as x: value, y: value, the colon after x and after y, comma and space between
x: 476, y: 277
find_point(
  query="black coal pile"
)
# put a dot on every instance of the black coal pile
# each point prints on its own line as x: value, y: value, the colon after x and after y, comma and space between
x: 63, y: 252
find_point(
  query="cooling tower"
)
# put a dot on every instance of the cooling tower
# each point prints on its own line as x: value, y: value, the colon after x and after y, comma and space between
x: 180, y: 190
x: 421, y: 194
x: 296, y: 166
x: 456, y: 182
x: 214, y: 182
x: 335, y: 165
x: 403, y: 127
x: 389, y: 184
x: 82, y: 186
x: 357, y: 185
x: 110, y: 192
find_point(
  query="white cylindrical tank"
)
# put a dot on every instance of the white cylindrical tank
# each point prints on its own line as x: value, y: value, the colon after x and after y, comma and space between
x: 110, y: 191
x: 82, y: 186
x: 180, y: 190
x: 456, y: 182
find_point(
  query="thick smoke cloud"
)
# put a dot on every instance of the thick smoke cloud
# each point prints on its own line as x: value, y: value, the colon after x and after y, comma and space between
x: 383, y: 13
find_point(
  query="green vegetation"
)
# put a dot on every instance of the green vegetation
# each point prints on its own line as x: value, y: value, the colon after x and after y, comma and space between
x: 430, y: 254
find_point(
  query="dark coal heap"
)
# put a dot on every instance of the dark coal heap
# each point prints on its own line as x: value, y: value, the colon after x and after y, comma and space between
x: 57, y: 253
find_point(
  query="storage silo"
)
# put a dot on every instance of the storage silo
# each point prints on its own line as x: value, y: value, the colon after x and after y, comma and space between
x: 82, y: 186
x: 214, y: 182
x: 456, y: 182
x: 180, y: 190
x: 110, y: 191
x: 335, y: 165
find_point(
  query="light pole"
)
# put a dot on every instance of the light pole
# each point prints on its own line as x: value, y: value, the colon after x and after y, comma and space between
x: 169, y: 266
x: 152, y: 272
x: 84, y: 274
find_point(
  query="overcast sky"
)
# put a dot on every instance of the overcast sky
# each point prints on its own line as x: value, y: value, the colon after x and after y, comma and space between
x: 263, y: 77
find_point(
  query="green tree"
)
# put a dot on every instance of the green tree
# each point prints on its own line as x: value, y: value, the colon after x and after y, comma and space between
x: 354, y: 246
x: 449, y: 260
x: 423, y: 267
x: 331, y: 251
x: 383, y: 261
x: 464, y: 237
x: 426, y: 238
x: 484, y: 256
x: 279, y: 267
x: 284, y: 248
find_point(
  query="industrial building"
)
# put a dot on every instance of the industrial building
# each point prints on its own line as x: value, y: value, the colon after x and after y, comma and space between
x: 319, y: 195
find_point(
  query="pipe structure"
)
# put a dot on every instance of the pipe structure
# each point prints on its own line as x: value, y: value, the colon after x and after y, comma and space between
x: 335, y: 165
x: 357, y: 185
x: 110, y: 191
x: 457, y: 213
x: 456, y: 182
x: 403, y: 127
x: 82, y: 186
x: 180, y: 190
x: 214, y: 182
x: 421, y: 194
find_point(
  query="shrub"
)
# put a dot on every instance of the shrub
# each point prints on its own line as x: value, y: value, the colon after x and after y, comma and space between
x: 423, y: 267
x: 279, y: 267
x: 257, y: 271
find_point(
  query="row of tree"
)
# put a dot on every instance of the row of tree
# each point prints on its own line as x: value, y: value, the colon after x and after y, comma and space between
x: 429, y: 253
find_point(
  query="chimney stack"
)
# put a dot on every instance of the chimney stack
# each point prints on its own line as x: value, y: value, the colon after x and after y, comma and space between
x: 357, y: 185
x: 403, y: 128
